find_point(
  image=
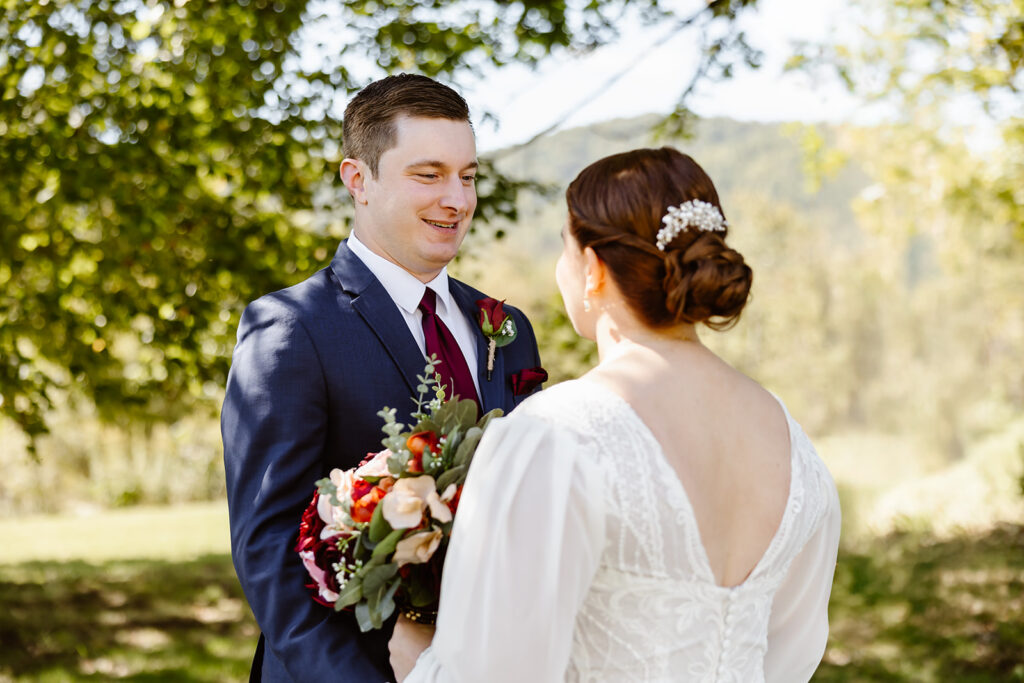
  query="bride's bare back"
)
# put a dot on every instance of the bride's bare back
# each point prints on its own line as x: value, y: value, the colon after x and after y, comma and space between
x: 725, y: 436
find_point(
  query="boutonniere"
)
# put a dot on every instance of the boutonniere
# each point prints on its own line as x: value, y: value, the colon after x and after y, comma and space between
x: 525, y: 381
x: 497, y: 326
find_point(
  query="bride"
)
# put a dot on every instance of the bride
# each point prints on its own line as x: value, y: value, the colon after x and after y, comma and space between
x: 662, y: 518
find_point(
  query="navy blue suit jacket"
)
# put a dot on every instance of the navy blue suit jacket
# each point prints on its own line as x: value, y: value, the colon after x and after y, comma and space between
x: 312, y: 366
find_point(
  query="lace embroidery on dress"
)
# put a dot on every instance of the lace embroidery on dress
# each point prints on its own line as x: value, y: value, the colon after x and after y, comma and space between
x: 654, y: 612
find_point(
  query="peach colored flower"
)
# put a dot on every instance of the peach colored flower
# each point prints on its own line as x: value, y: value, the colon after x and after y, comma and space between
x: 418, y: 548
x: 376, y: 467
x: 336, y: 517
x: 408, y: 498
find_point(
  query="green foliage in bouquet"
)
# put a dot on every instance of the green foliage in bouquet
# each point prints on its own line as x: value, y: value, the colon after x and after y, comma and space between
x: 394, y: 513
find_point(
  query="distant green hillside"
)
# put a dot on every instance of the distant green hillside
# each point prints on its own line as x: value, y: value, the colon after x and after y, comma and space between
x: 740, y: 157
x: 753, y: 165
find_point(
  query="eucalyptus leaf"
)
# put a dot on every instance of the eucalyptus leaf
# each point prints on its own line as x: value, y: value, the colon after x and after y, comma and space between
x: 350, y: 594
x: 465, y: 412
x: 426, y: 425
x: 486, y: 419
x: 387, y: 601
x: 443, y: 415
x: 455, y: 475
x: 365, y: 618
x: 379, y: 527
x: 395, y: 444
x: 387, y: 545
x: 468, y: 446
x: 377, y: 577
x: 418, y: 591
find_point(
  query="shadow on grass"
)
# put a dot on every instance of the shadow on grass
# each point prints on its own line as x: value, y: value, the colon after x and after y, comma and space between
x: 138, y: 620
x: 904, y: 608
x: 909, y: 608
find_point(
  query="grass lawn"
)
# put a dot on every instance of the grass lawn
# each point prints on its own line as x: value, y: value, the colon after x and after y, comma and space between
x: 74, y: 606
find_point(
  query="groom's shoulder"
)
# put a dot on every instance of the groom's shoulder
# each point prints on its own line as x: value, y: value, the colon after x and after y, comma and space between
x: 305, y: 298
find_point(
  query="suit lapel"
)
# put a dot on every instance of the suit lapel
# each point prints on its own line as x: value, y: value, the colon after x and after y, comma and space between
x: 492, y: 393
x: 379, y: 311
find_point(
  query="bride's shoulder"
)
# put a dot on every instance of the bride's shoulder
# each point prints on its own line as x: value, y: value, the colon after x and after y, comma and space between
x: 580, y: 403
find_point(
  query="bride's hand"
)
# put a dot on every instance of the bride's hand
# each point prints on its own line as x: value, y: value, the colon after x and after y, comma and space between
x: 406, y: 644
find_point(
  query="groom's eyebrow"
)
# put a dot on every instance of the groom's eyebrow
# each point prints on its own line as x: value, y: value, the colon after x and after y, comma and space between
x: 433, y: 163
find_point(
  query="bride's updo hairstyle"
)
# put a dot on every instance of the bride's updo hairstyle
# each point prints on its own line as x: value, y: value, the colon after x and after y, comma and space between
x: 616, y: 206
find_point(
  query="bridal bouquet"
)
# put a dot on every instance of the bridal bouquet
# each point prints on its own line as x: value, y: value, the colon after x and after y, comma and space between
x: 373, y: 538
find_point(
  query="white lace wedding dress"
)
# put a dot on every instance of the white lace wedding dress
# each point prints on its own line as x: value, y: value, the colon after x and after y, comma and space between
x: 576, y: 556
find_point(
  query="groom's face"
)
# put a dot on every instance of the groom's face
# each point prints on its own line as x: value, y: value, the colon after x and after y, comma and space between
x: 419, y: 205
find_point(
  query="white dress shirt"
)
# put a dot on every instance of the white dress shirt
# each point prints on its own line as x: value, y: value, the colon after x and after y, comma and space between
x: 406, y: 291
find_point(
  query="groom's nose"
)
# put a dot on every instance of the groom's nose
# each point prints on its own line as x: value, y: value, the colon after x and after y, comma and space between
x: 457, y: 196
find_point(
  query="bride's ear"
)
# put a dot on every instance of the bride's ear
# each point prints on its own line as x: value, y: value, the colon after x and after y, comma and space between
x: 596, y: 272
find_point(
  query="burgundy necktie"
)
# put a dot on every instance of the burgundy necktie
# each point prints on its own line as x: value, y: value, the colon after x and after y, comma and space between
x: 440, y: 342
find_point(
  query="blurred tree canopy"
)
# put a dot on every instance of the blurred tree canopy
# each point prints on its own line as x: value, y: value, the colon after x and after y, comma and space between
x: 946, y: 210
x: 949, y: 76
x: 163, y: 162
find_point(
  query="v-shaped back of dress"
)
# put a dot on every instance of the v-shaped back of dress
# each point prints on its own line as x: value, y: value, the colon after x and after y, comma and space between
x: 654, y: 611
x: 657, y: 452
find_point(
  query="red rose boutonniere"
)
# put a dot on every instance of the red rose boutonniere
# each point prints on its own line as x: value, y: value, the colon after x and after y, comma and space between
x: 497, y: 326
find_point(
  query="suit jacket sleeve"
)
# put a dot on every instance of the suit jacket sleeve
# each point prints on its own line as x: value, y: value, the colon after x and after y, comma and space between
x: 274, y: 427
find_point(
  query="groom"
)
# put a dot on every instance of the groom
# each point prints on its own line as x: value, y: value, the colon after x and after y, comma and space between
x: 315, y: 362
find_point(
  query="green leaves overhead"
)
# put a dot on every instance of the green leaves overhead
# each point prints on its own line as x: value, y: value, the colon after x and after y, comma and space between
x: 165, y: 162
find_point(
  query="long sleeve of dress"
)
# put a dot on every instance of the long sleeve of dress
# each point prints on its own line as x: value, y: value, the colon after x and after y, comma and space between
x: 798, y: 627
x: 526, y: 543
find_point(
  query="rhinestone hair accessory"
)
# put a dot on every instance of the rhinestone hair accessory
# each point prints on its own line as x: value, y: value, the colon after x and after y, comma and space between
x: 696, y: 213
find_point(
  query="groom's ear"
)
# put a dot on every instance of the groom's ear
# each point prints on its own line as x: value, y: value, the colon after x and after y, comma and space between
x: 353, y: 174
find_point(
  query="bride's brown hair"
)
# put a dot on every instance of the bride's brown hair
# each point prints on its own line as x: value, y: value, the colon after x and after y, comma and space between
x: 615, y: 207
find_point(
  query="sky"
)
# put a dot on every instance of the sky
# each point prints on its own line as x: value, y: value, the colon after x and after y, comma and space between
x: 528, y: 101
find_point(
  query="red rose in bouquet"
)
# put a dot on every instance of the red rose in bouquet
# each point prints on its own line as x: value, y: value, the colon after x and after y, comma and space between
x: 373, y: 538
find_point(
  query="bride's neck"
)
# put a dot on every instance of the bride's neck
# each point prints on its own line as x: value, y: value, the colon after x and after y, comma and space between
x: 617, y: 335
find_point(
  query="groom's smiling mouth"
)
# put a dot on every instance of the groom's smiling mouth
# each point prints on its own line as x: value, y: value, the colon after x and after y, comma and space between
x: 441, y: 224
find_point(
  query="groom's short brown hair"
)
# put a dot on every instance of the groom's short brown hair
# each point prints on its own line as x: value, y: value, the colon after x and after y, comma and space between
x: 368, y: 129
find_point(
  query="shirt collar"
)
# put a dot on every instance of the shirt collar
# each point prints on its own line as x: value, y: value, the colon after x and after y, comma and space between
x: 401, y: 285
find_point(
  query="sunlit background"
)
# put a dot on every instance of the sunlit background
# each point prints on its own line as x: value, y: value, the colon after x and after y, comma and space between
x: 163, y: 163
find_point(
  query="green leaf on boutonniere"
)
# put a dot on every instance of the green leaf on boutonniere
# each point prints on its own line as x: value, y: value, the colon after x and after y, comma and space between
x: 494, y: 323
x: 506, y: 334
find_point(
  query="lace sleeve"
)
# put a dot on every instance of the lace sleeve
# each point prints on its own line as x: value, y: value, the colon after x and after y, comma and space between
x: 527, y: 541
x: 798, y: 627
